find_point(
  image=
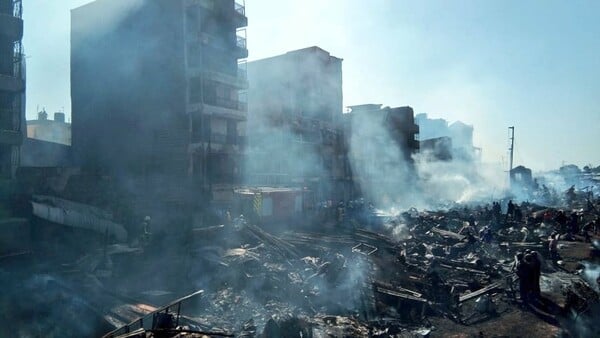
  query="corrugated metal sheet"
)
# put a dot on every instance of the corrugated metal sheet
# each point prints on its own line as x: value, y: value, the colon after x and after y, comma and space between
x: 77, y: 215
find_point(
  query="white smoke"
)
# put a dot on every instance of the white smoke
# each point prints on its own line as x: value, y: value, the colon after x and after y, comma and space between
x: 390, y: 179
x: 107, y: 14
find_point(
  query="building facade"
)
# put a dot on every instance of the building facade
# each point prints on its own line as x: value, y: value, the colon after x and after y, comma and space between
x: 157, y: 97
x: 56, y: 130
x: 294, y: 121
x: 461, y: 135
x: 380, y: 145
x: 12, y: 86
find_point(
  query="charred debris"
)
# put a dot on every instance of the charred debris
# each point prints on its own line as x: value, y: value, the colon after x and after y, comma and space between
x: 352, y: 271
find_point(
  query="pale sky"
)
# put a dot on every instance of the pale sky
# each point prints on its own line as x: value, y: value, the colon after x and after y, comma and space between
x: 493, y: 64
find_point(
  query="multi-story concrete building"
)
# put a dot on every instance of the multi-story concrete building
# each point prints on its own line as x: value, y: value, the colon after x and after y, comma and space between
x: 157, y: 97
x: 12, y: 86
x: 461, y: 136
x: 294, y: 121
x: 44, y: 129
x: 380, y: 143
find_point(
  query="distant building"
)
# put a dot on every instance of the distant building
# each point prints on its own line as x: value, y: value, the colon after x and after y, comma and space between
x: 431, y: 128
x: 43, y: 129
x: 380, y: 143
x: 12, y: 88
x: 522, y: 182
x: 522, y: 176
x: 437, y: 149
x: 462, y: 140
x: 157, y: 99
x: 460, y: 133
x: 294, y: 121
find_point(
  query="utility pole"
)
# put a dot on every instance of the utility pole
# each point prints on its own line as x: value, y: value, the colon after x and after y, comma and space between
x: 511, y: 139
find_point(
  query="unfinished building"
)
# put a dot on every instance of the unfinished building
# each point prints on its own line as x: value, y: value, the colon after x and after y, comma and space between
x: 294, y: 121
x: 157, y: 98
x: 12, y: 88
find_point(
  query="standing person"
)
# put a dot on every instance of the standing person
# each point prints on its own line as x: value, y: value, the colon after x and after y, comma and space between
x: 497, y: 210
x: 518, y: 214
x: 510, y: 211
x: 536, y: 273
x: 523, y: 271
x: 573, y: 225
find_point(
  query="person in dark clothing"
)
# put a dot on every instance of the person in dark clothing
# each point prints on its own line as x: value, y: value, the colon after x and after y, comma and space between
x: 523, y: 271
x: 510, y: 211
x: 497, y: 209
x: 561, y: 220
x: 536, y: 272
x: 518, y: 214
x: 573, y: 224
x: 470, y: 238
x: 570, y: 195
x: 531, y: 275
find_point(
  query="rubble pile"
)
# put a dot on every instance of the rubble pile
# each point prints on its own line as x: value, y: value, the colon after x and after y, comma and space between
x: 464, y: 270
x: 417, y: 273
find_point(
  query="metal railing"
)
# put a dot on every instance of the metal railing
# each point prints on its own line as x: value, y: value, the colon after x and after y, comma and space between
x: 227, y: 103
x: 17, y: 59
x: 240, y: 7
x: 241, y: 42
x: 156, y: 321
x: 17, y: 9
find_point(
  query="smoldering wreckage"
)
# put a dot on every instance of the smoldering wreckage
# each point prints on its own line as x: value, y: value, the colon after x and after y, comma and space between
x: 464, y: 270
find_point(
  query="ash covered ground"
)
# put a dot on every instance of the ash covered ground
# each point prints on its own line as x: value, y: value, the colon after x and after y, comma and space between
x: 462, y: 270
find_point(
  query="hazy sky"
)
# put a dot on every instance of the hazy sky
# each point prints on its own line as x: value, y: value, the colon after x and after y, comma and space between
x: 493, y: 64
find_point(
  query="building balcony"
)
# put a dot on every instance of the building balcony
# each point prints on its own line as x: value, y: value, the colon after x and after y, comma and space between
x: 11, y: 84
x: 11, y: 27
x: 229, y: 104
x: 230, y: 139
x: 241, y: 47
x: 239, y: 15
x: 240, y: 81
x: 221, y: 108
x: 11, y: 137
